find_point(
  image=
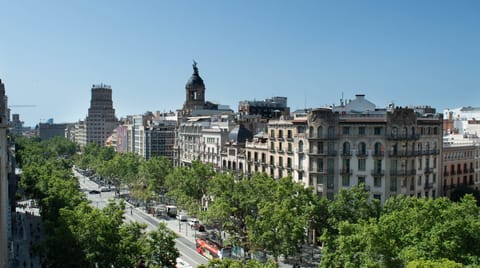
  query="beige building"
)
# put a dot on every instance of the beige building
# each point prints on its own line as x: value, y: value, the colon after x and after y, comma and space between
x: 460, y: 163
x: 391, y: 151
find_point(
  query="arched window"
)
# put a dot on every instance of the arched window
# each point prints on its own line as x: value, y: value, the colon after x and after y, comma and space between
x: 378, y: 148
x: 320, y: 132
x: 311, y: 132
x: 280, y: 133
x: 394, y: 131
x: 300, y: 146
x: 405, y: 131
x: 289, y: 134
x: 413, y: 131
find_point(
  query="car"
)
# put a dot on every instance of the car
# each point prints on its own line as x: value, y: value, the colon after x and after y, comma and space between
x: 199, y: 227
x: 94, y: 192
x: 181, y: 217
x: 192, y: 222
x: 104, y: 189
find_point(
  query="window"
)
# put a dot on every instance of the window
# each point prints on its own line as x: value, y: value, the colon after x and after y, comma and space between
x: 378, y: 197
x: 346, y: 130
x: 289, y: 147
x: 345, y: 181
x: 346, y: 148
x: 319, y: 165
x: 377, y: 131
x: 378, y: 150
x: 311, y: 179
x: 280, y: 161
x: 300, y: 146
x: 280, y: 133
x: 311, y: 132
x: 393, y: 184
x: 331, y: 132
x: 361, y: 180
x: 377, y: 182
x: 361, y: 131
x: 362, y: 164
x: 419, y: 182
x: 330, y: 182
x: 320, y: 147
x: 289, y: 134
x: 320, y: 179
x: 280, y: 147
x: 319, y: 132
x: 362, y: 148
x: 272, y: 133
x: 289, y: 162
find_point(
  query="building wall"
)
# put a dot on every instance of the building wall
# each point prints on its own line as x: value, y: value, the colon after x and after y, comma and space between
x: 101, y: 119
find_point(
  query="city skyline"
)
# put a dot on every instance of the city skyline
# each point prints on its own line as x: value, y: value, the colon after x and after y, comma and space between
x: 312, y: 52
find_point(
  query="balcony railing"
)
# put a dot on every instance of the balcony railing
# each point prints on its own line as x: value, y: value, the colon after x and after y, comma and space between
x: 362, y: 154
x: 378, y: 153
x: 346, y: 153
x: 331, y: 153
x: 428, y: 170
x: 428, y: 185
x: 446, y: 173
x: 345, y: 171
x: 378, y: 172
x: 403, y: 137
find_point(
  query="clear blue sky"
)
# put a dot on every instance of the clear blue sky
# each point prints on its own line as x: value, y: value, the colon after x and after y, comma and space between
x: 409, y: 52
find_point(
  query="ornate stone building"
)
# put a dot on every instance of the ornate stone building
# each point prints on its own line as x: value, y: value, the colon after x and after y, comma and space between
x: 194, y: 93
x: 391, y: 151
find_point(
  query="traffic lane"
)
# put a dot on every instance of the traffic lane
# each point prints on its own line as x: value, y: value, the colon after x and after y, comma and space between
x: 184, y: 246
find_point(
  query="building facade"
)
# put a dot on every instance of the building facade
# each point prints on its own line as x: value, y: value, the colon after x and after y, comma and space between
x: 268, y: 108
x: 50, y: 130
x: 391, y: 151
x: 16, y: 125
x: 101, y: 119
x: 460, y: 163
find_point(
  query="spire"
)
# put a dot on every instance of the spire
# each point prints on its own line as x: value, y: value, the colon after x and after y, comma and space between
x: 195, y: 68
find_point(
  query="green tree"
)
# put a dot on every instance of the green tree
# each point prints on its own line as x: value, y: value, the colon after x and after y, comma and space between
x: 161, y: 246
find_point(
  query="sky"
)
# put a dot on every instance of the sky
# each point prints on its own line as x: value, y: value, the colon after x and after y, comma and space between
x: 407, y: 52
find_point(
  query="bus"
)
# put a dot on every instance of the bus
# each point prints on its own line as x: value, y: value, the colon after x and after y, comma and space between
x: 210, y: 249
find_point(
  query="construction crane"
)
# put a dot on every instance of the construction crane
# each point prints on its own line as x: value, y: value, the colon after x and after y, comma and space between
x: 22, y: 106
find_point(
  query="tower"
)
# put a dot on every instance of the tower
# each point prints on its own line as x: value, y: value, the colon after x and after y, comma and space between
x: 195, y: 93
x: 101, y: 119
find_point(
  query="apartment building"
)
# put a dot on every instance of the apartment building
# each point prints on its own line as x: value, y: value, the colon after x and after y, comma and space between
x: 391, y: 151
x: 460, y: 163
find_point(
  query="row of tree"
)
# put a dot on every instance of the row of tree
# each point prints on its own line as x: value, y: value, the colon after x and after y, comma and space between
x: 77, y: 234
x: 277, y: 217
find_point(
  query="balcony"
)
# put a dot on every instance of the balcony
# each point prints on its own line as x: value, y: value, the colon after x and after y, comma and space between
x: 428, y: 170
x: 281, y: 151
x: 472, y: 170
x: 272, y: 138
x: 299, y: 151
x: 272, y: 151
x: 428, y: 185
x: 465, y: 171
x: 289, y: 152
x: 330, y: 171
x: 331, y: 153
x: 346, y: 153
x: 289, y: 139
x: 453, y: 172
x: 446, y: 173
x: 378, y: 153
x: 345, y: 171
x: 362, y: 154
x: 280, y: 138
x: 378, y: 172
x: 403, y: 137
x: 398, y: 153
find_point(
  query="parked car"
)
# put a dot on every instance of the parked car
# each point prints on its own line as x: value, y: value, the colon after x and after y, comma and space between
x: 192, y: 222
x: 94, y: 192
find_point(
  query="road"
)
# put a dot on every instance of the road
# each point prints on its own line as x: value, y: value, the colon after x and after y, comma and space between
x: 185, y: 242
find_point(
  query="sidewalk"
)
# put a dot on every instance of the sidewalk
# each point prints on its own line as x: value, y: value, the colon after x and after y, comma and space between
x: 27, y: 233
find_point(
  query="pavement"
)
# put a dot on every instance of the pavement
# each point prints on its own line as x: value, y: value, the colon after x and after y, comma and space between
x: 27, y: 233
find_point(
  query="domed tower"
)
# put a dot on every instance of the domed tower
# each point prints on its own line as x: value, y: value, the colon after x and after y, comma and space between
x: 195, y: 93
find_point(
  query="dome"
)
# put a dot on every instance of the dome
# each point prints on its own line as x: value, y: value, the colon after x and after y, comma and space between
x: 240, y: 134
x: 195, y: 80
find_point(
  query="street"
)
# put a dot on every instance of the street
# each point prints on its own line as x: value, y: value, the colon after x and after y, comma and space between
x: 185, y: 242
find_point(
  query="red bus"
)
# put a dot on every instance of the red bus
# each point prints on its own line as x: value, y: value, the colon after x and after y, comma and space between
x: 211, y: 249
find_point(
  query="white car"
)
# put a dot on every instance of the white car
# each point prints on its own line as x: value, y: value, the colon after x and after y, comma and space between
x: 104, y: 189
x: 182, y: 264
x: 192, y: 222
x: 181, y: 217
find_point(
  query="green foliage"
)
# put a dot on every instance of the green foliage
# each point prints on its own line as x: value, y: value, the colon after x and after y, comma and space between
x: 161, y: 246
x: 229, y: 263
x: 444, y: 263
x: 187, y: 185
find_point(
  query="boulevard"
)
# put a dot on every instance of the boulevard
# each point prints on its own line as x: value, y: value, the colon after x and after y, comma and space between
x: 185, y: 242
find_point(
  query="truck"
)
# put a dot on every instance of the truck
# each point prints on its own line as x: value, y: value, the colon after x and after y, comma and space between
x: 171, y: 211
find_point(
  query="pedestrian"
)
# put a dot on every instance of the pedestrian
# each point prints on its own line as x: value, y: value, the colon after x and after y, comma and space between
x: 131, y: 211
